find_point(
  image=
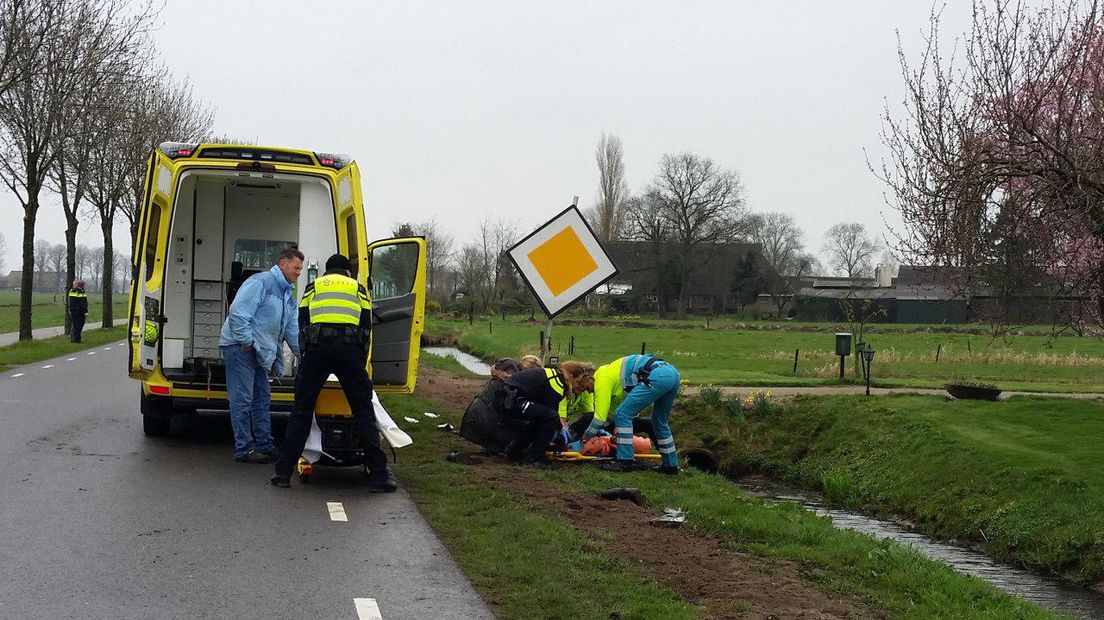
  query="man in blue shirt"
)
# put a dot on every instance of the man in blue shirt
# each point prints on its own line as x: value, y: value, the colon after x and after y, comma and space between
x: 261, y: 319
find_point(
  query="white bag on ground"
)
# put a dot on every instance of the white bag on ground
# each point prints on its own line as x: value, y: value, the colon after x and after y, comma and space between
x: 395, y: 436
x: 312, y: 451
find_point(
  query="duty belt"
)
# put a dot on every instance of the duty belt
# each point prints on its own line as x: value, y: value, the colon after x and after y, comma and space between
x: 323, y: 333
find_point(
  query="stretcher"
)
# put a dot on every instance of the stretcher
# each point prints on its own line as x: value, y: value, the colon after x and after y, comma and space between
x: 577, y: 456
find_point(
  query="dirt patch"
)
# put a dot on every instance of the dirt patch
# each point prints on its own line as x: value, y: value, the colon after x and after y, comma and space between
x: 726, y: 583
x: 446, y: 389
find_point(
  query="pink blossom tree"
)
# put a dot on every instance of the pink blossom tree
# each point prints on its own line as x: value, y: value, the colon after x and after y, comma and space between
x: 997, y: 166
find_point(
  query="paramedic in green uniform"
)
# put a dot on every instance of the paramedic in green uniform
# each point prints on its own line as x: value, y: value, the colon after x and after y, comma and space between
x: 627, y: 386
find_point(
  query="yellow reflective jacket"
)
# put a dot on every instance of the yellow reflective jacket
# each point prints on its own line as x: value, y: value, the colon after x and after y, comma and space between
x: 335, y: 299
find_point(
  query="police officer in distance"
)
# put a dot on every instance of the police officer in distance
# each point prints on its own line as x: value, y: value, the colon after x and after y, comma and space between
x: 335, y: 319
x: 78, y: 310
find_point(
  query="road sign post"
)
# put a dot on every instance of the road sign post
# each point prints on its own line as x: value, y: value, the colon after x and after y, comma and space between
x: 561, y: 262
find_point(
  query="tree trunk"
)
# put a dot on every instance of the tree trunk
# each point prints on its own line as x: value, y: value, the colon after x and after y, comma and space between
x: 70, y: 262
x: 133, y: 240
x: 26, y: 284
x: 108, y: 279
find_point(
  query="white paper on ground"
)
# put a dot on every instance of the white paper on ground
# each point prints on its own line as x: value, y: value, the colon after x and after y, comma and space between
x: 390, y: 431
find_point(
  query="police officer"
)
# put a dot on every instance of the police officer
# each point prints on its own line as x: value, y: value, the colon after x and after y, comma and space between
x: 78, y: 310
x: 532, y: 397
x: 335, y: 319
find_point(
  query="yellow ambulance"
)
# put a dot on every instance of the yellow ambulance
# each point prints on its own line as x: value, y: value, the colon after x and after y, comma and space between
x: 214, y: 214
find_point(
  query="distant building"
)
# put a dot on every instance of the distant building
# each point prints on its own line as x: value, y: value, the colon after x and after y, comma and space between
x: 922, y: 295
x: 729, y: 278
x: 44, y: 281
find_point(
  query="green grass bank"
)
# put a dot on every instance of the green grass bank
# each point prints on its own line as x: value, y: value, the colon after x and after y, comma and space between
x: 765, y: 357
x: 48, y: 348
x: 482, y: 523
x: 1020, y: 479
x: 48, y: 309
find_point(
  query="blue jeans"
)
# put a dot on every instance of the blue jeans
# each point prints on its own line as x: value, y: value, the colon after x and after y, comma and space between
x: 248, y: 391
x: 664, y: 387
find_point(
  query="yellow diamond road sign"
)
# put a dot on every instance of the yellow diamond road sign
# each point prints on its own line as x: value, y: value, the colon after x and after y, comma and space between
x: 562, y: 261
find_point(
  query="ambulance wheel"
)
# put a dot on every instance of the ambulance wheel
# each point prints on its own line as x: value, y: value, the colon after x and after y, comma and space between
x: 156, y: 415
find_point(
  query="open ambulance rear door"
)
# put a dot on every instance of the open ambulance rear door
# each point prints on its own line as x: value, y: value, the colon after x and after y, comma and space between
x: 148, y: 266
x: 397, y: 274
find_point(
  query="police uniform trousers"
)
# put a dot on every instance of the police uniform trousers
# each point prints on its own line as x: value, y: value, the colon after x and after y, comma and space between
x: 76, y: 326
x: 346, y: 360
x: 537, y: 423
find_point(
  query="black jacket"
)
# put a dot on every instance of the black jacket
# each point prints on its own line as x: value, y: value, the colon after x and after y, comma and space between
x: 78, y: 302
x: 536, y: 386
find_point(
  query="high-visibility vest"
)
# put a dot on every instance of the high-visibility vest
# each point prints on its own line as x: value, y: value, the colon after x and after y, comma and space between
x: 77, y: 293
x: 555, y: 380
x: 335, y: 299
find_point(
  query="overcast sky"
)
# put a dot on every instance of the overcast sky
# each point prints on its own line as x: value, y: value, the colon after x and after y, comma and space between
x: 460, y: 110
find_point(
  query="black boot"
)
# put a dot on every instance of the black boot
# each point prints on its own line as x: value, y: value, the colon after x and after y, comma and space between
x: 383, y: 482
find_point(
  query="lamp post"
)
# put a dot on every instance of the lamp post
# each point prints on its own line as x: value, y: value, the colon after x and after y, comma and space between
x: 868, y: 355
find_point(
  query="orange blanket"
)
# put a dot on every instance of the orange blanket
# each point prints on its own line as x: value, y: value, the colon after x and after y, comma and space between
x: 607, y: 446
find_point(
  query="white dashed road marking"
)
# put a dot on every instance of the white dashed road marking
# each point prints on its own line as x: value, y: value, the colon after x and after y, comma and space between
x: 47, y: 366
x: 367, y: 609
x: 18, y: 374
x: 70, y: 359
x: 107, y: 348
x: 337, y: 511
x: 91, y: 352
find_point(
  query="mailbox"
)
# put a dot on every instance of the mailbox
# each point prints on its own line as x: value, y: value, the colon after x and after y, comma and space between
x: 843, y: 343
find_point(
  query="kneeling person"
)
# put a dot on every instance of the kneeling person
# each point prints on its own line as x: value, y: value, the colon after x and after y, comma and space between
x: 627, y: 386
x: 532, y: 399
x: 335, y: 319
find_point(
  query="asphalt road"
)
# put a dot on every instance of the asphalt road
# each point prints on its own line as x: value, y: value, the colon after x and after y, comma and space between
x: 99, y: 521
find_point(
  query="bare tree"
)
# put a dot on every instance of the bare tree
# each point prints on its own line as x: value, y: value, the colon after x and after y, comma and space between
x: 645, y: 222
x: 122, y: 272
x: 55, y: 258
x: 613, y: 191
x: 3, y: 251
x: 96, y: 268
x: 41, y: 254
x: 889, y: 262
x: 25, y: 27
x: 782, y: 245
x: 439, y: 255
x: 167, y: 110
x: 89, y: 42
x: 471, y: 272
x: 83, y: 261
x: 780, y: 240
x: 701, y: 204
x: 850, y: 250
x: 495, y: 236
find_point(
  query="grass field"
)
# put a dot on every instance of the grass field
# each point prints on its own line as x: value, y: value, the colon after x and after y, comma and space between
x: 47, y: 348
x: 48, y: 309
x: 733, y: 356
x: 1021, y: 479
x: 484, y: 525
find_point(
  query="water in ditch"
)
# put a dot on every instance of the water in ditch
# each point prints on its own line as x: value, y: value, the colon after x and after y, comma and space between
x: 471, y: 362
x: 1048, y: 593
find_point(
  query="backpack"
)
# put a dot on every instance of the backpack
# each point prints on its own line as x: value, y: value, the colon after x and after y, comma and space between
x: 483, y: 425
